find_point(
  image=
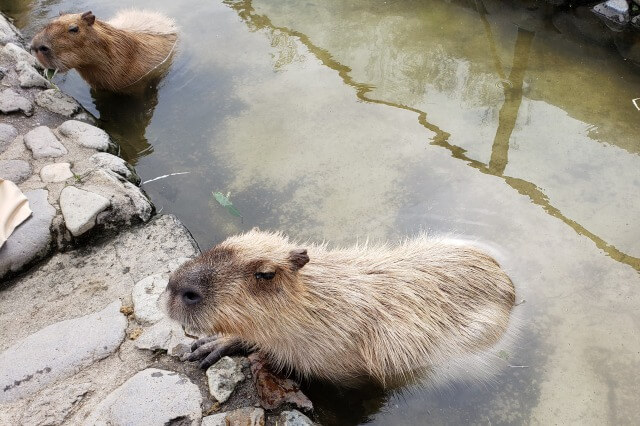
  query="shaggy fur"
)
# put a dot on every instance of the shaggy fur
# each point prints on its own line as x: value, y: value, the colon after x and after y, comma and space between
x: 111, y: 55
x: 390, y: 313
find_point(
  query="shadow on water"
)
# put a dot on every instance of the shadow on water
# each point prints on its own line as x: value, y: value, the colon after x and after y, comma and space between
x: 508, y: 114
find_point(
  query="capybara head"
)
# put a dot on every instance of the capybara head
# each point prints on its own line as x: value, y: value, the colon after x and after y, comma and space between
x: 67, y: 42
x: 222, y: 289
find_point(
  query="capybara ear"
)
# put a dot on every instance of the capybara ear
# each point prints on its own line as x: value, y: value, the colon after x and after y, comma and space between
x: 89, y: 18
x: 298, y: 258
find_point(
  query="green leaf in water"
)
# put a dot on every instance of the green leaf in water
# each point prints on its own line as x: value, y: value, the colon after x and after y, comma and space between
x: 224, y: 202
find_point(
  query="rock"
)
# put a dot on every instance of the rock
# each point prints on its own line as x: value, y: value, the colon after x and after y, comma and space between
x: 10, y: 101
x: 85, y: 135
x: 18, y: 54
x: 219, y: 419
x: 53, y: 405
x: 116, y: 165
x: 145, y: 296
x: 16, y: 171
x: 165, y: 335
x: 32, y: 239
x: 273, y: 390
x: 615, y: 12
x: 151, y: 397
x: 59, y: 351
x: 223, y: 376
x: 80, y: 208
x: 636, y: 21
x: 8, y: 33
x: 58, y: 102
x: 248, y: 416
x: 29, y: 77
x: 294, y: 418
x: 7, y: 135
x: 43, y: 143
x: 57, y: 172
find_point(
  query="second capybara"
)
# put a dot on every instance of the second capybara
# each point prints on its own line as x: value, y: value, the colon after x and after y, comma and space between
x: 370, y: 311
x: 115, y: 55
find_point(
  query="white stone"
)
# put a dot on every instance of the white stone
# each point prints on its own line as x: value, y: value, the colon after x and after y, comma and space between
x: 17, y: 171
x: 10, y: 101
x: 85, y: 135
x: 18, y: 54
x: 43, y: 143
x: 57, y: 172
x: 59, y: 351
x: 53, y: 405
x: 145, y: 297
x: 223, y: 376
x: 58, y: 102
x: 8, y: 33
x: 80, y: 208
x: 167, y: 335
x: 116, y: 165
x: 151, y: 397
x: 28, y: 76
x: 294, y: 418
x: 219, y: 419
x: 7, y: 135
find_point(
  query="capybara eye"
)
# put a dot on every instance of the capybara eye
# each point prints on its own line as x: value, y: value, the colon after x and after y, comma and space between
x: 265, y: 275
x: 73, y: 28
x: 191, y: 297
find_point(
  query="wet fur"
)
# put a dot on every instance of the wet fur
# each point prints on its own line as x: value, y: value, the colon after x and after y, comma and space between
x: 389, y: 313
x: 109, y: 55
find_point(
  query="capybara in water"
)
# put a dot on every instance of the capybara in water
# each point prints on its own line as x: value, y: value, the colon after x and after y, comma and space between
x: 116, y: 55
x: 384, y: 312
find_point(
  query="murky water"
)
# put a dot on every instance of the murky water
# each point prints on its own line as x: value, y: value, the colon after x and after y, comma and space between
x: 338, y: 120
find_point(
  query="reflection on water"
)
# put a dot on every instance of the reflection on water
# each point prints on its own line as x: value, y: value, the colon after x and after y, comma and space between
x: 374, y: 118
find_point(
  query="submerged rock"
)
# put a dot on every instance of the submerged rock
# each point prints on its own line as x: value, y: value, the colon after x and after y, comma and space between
x: 10, y: 102
x: 223, y: 377
x: 57, y: 102
x: 80, y: 209
x: 43, y: 143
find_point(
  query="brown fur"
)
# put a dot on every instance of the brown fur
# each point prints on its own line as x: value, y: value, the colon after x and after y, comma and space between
x: 375, y: 311
x: 111, y: 57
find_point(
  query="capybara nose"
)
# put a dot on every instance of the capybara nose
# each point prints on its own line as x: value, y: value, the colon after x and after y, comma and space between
x: 39, y: 48
x: 190, y: 297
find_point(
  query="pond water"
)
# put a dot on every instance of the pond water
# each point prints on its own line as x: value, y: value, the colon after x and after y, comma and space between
x: 342, y: 120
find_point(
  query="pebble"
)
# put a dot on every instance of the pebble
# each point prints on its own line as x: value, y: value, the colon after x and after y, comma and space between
x: 59, y: 351
x: 43, y: 143
x: 145, y: 297
x: 18, y: 54
x: 32, y: 239
x: 223, y: 376
x: 150, y: 397
x: 29, y: 77
x: 293, y: 418
x: 57, y: 172
x: 85, y: 135
x: 7, y: 135
x: 17, y: 171
x: 80, y: 208
x: 10, y: 101
x: 166, y: 335
x: 116, y: 165
x: 273, y: 390
x: 57, y: 102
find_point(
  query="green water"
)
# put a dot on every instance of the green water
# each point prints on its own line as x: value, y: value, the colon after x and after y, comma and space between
x: 341, y: 120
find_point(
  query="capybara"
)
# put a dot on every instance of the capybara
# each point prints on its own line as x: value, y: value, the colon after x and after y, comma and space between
x: 133, y: 47
x: 384, y: 312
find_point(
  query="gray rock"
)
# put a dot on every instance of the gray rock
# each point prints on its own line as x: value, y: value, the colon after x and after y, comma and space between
x: 615, y: 12
x: 219, y: 419
x: 223, y: 376
x: 57, y: 172
x: 145, y: 297
x: 10, y: 101
x: 29, y: 77
x: 167, y: 335
x: 43, y: 143
x: 294, y: 418
x: 59, y: 351
x: 17, y: 171
x: 7, y: 135
x: 248, y: 416
x: 58, y: 102
x: 53, y: 405
x: 80, y: 209
x: 32, y: 239
x: 116, y: 165
x: 18, y: 54
x: 85, y: 135
x: 151, y: 397
x: 8, y: 33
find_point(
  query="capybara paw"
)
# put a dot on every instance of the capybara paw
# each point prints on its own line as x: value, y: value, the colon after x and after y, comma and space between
x: 210, y: 349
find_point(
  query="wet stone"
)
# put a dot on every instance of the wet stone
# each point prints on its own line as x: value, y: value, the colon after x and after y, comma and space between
x: 59, y: 351
x: 17, y: 171
x: 116, y: 165
x: 145, y: 297
x: 57, y: 102
x: 273, y: 390
x: 43, y: 143
x: 10, y: 101
x: 151, y: 397
x: 616, y: 11
x: 85, y: 135
x: 80, y: 208
x: 223, y: 376
x: 32, y: 239
x: 18, y: 54
x: 248, y: 416
x: 57, y: 172
x: 7, y: 135
x: 294, y: 418
x: 29, y: 77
